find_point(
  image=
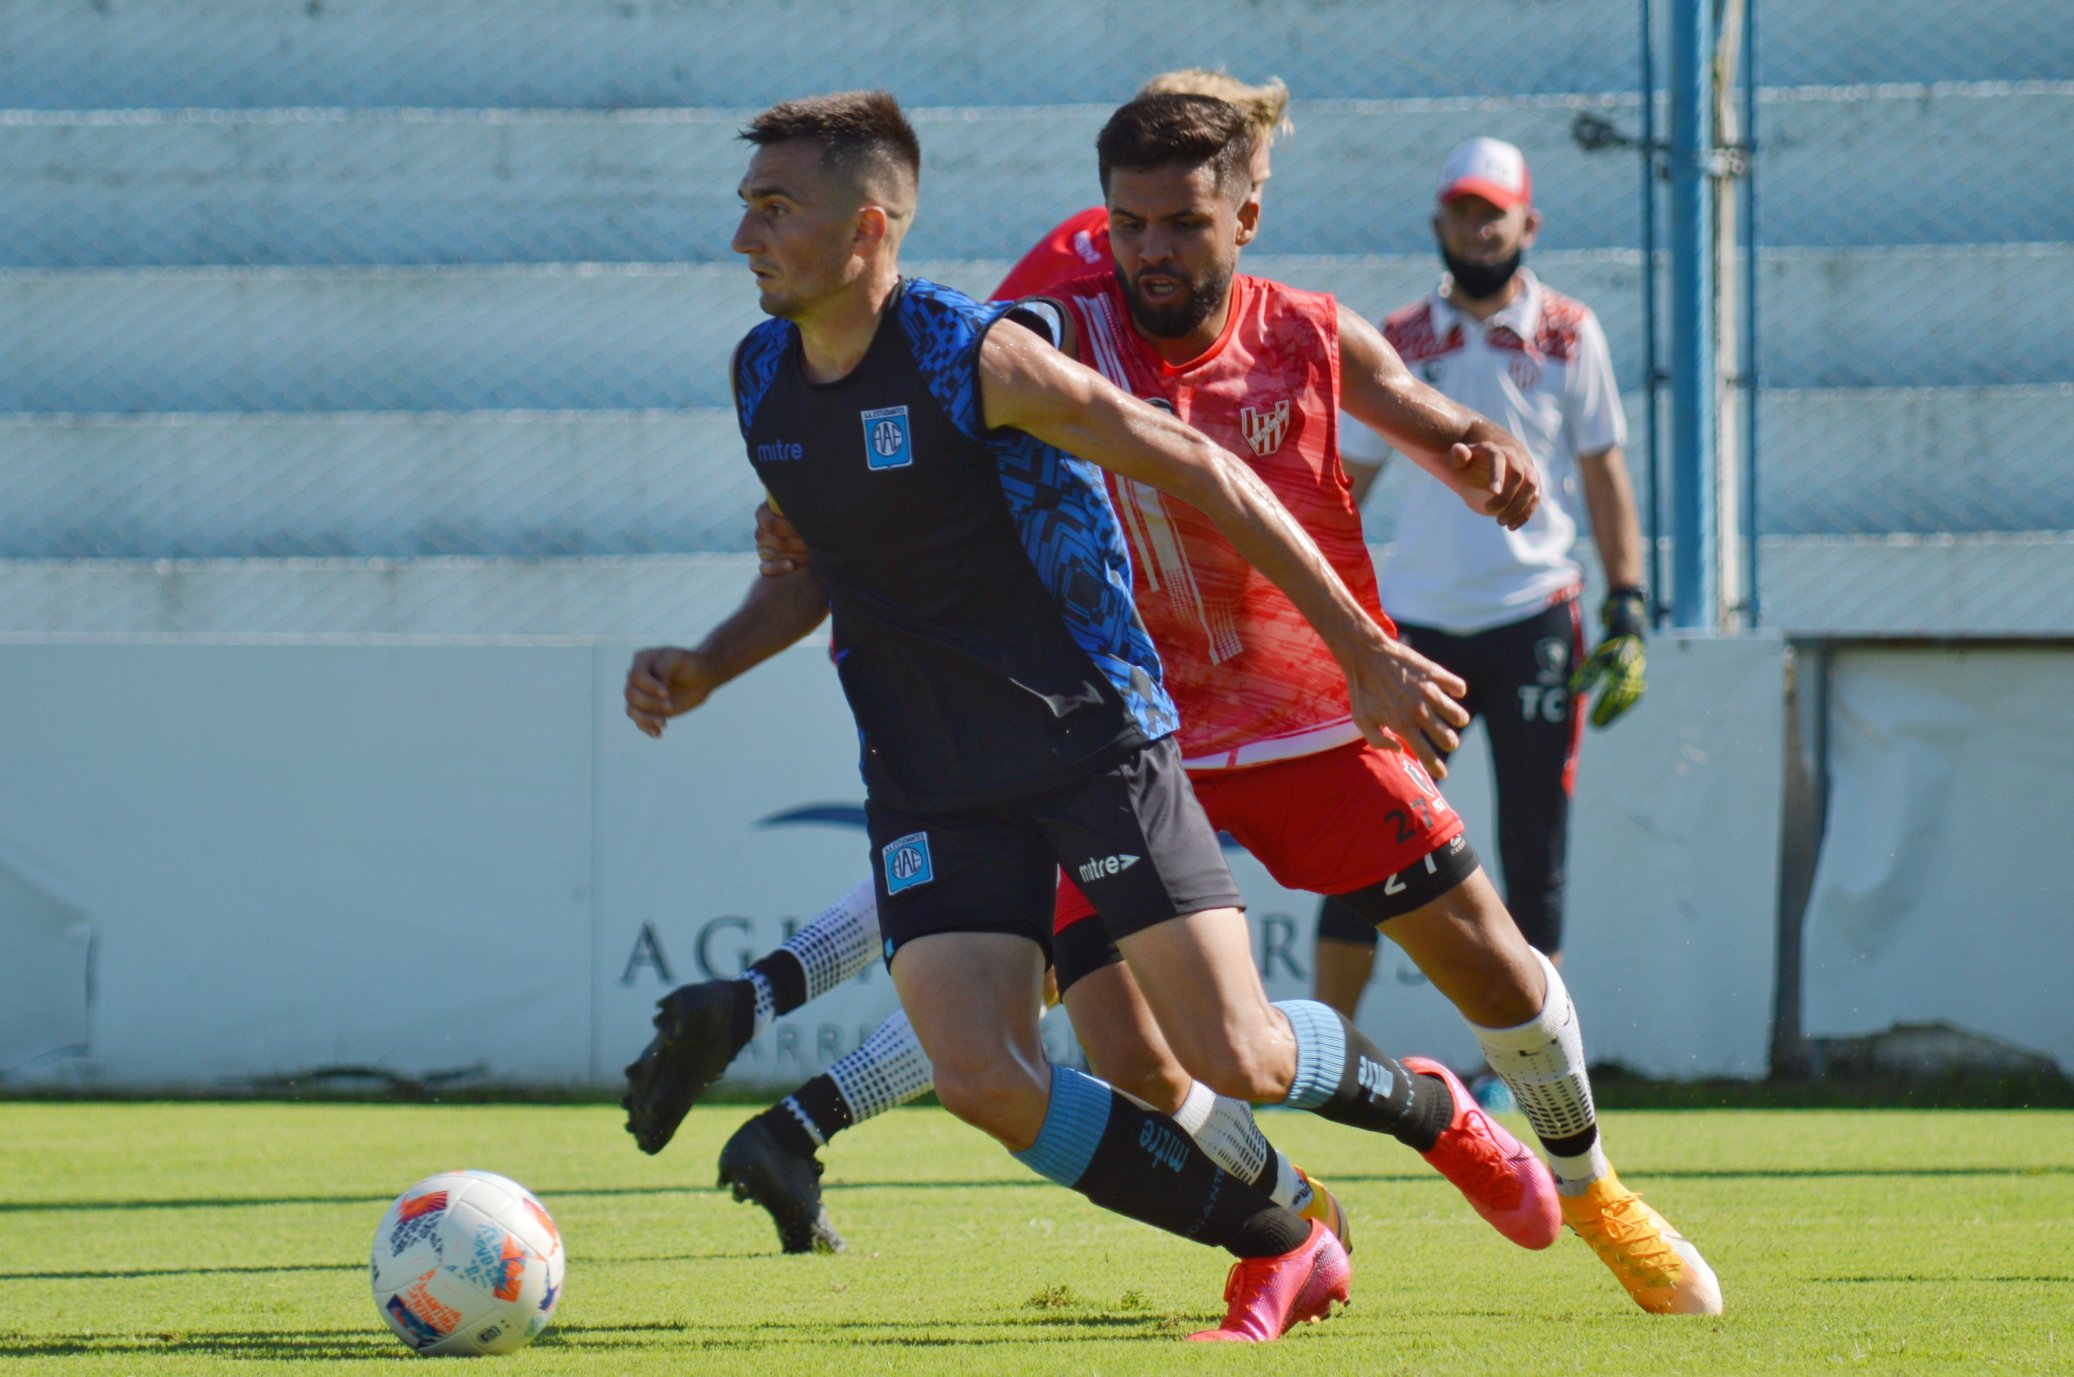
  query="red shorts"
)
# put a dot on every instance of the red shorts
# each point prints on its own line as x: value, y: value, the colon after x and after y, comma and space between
x: 1330, y: 823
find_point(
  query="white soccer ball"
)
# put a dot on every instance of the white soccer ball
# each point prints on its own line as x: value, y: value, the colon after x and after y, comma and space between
x: 467, y: 1262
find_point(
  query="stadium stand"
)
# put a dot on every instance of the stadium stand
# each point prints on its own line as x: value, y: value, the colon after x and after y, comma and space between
x: 371, y: 315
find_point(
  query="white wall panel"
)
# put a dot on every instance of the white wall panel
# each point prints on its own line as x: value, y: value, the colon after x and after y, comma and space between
x: 304, y: 856
x: 437, y: 856
x: 1939, y: 895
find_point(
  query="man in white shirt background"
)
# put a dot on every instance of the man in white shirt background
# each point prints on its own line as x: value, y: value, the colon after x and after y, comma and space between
x: 1502, y: 608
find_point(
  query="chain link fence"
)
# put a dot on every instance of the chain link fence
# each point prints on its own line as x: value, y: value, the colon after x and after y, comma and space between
x: 384, y: 280
x: 1915, y: 388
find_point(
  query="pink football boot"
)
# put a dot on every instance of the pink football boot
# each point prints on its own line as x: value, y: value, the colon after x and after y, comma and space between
x: 1265, y: 1297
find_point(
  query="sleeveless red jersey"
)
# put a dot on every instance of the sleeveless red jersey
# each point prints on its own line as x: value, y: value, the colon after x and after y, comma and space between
x: 1251, y: 678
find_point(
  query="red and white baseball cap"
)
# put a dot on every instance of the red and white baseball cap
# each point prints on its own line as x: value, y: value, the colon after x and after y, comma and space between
x: 1490, y: 168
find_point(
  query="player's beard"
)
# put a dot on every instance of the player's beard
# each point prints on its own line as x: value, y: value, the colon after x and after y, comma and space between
x: 1199, y: 300
x: 1481, y: 281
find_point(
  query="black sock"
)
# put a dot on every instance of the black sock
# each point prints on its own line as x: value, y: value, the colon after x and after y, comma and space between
x: 788, y: 1129
x: 821, y: 1104
x: 787, y: 977
x: 741, y: 1020
x: 1144, y: 1166
x: 1364, y: 1089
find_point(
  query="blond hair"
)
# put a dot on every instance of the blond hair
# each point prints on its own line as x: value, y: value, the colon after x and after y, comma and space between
x: 1266, y: 107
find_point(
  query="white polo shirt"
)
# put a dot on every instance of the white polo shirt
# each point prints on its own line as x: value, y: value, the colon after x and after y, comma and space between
x: 1541, y: 369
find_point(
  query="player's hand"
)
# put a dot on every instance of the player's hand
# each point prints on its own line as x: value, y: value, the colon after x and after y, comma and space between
x: 665, y: 682
x: 778, y: 545
x: 1501, y: 481
x: 1616, y: 662
x: 1402, y: 700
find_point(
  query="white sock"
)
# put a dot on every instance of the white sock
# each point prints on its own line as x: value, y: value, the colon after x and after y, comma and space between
x: 1542, y: 1061
x: 841, y: 942
x: 1225, y: 1129
x: 888, y: 1070
x: 766, y: 1000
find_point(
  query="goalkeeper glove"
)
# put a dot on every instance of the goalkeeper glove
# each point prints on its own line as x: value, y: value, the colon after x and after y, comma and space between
x: 1617, y: 661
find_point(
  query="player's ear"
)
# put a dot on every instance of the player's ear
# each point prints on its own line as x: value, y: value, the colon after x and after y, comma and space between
x: 872, y: 227
x: 1249, y: 219
x: 1526, y: 239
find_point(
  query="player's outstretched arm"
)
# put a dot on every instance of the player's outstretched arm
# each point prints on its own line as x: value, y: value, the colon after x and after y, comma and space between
x: 1472, y: 454
x: 668, y: 681
x: 1031, y: 387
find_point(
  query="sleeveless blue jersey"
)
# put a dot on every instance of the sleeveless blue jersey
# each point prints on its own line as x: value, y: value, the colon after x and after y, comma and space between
x: 978, y: 579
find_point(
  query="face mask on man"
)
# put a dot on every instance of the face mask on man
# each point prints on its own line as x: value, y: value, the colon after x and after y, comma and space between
x: 1478, y: 281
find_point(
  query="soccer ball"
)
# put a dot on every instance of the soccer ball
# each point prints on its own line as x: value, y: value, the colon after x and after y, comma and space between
x: 467, y: 1262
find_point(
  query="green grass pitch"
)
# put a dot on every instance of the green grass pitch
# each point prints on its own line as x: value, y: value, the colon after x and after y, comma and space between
x: 199, y: 1239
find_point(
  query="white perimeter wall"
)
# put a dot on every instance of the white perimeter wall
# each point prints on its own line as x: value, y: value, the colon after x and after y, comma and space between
x: 225, y: 861
x: 1941, y: 893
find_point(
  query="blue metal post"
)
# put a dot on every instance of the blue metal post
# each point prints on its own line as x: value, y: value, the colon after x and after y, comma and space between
x: 1692, y: 315
x: 1751, y: 589
x: 1652, y: 366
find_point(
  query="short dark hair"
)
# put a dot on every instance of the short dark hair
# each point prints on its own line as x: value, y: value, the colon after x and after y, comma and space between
x: 859, y: 132
x: 1170, y: 128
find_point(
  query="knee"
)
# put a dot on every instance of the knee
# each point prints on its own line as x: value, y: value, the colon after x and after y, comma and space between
x: 1245, y: 1070
x: 1005, y: 1101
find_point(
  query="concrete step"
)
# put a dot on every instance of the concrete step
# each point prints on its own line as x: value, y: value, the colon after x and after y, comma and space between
x: 1979, y: 585
x: 402, y: 484
x: 658, y: 336
x: 93, y: 54
x: 1899, y: 585
x: 1853, y: 462
x: 655, y: 599
x: 1850, y: 461
x: 344, y: 186
x: 533, y: 484
x: 1912, y: 317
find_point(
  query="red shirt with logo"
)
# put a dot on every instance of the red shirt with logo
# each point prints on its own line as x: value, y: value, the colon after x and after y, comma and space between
x: 1253, y: 681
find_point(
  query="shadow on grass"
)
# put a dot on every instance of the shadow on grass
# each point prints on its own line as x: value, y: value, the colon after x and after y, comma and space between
x: 552, y: 1194
x: 374, y: 1345
x: 130, y: 1273
x: 1050, y: 1327
x: 1910, y: 1278
x: 217, y: 1202
x: 136, y: 1273
x: 302, y: 1345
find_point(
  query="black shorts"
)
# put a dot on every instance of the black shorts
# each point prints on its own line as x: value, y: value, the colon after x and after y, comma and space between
x: 1132, y: 836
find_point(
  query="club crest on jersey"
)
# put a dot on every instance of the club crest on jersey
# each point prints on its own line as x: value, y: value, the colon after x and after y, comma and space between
x: 1265, y: 427
x: 907, y: 862
x: 888, y: 439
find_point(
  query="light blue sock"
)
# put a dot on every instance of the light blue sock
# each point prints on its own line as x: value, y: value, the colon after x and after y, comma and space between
x: 1321, y: 1051
x: 1073, y: 1125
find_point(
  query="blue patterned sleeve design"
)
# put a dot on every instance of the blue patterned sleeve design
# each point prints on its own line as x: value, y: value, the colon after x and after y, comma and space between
x: 945, y: 329
x: 1071, y: 534
x: 756, y: 367
x: 1058, y: 502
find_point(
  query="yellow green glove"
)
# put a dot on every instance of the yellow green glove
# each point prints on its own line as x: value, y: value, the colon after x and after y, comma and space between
x: 1617, y: 662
